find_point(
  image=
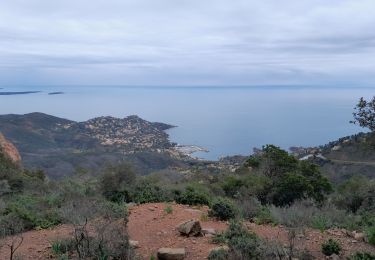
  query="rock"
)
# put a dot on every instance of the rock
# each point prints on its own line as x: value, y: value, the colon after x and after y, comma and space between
x: 359, y: 236
x: 151, y: 209
x: 171, y: 253
x: 134, y: 244
x: 336, y: 148
x: 208, y: 231
x: 334, y: 257
x: 131, y: 204
x: 9, y: 150
x: 190, y: 228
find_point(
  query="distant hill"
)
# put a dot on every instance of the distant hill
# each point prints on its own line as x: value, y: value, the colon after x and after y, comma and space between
x: 63, y: 147
x: 346, y: 157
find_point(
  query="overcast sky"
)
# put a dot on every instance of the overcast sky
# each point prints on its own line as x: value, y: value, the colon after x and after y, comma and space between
x: 187, y: 42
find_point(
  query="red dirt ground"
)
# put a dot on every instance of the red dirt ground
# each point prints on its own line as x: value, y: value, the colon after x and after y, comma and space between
x: 153, y: 228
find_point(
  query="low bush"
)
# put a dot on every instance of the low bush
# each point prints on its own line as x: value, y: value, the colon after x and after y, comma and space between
x: 249, y: 207
x: 220, y: 254
x: 147, y: 192
x: 61, y: 247
x: 264, y: 216
x: 331, y: 247
x: 192, y: 196
x: 242, y: 243
x: 362, y: 256
x: 34, y: 211
x: 222, y: 209
x: 370, y: 232
x: 168, y: 209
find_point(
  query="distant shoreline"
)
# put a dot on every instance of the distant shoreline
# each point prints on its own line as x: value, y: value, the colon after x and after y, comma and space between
x: 17, y: 93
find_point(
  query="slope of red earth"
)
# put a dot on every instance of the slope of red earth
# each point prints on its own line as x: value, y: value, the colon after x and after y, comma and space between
x: 153, y: 227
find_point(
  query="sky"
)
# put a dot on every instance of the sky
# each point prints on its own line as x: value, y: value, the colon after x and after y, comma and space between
x: 187, y: 42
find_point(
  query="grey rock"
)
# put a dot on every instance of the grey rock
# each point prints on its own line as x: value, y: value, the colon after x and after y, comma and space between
x: 190, y: 228
x: 171, y: 253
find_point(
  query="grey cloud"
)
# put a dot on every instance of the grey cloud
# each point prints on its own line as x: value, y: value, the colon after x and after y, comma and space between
x: 187, y: 41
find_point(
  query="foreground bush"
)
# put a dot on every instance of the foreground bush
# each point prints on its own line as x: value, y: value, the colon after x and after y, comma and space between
x: 222, y: 209
x: 331, y: 247
x: 362, y: 256
x: 192, y: 196
x: 242, y: 243
x: 370, y: 232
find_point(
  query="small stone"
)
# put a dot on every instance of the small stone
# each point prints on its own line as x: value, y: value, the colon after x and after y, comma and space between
x: 171, y: 253
x: 134, y: 244
x: 208, y: 231
x: 359, y: 236
x: 151, y: 209
x: 334, y: 257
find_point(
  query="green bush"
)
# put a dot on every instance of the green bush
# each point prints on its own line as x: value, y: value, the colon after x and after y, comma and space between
x: 60, y: 247
x: 34, y: 211
x: 220, y: 254
x: 168, y: 209
x: 264, y: 216
x: 320, y: 222
x: 231, y: 186
x: 222, y: 209
x: 362, y: 256
x: 146, y: 192
x: 193, y: 196
x: 288, y: 179
x: 370, y: 232
x: 331, y: 247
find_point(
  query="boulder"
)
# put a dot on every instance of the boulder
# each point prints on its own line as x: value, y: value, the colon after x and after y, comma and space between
x: 9, y: 150
x: 190, y: 228
x: 171, y: 253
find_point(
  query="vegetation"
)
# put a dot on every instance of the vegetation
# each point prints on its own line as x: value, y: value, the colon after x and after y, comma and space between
x: 270, y: 187
x: 331, y: 247
x: 364, y: 114
x: 362, y: 256
x: 222, y: 209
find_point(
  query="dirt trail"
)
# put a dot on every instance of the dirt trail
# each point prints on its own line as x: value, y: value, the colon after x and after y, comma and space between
x: 153, y: 227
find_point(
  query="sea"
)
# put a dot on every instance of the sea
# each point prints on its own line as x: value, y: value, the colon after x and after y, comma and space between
x: 226, y: 121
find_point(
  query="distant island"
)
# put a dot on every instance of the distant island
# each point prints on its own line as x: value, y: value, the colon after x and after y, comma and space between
x: 8, y: 93
x: 56, y: 93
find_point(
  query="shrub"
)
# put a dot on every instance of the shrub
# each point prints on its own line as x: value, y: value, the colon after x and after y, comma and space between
x: 331, y: 247
x: 60, y: 247
x: 222, y: 209
x: 370, y: 232
x: 288, y: 178
x: 264, y: 216
x: 193, y: 196
x: 220, y: 254
x: 320, y: 222
x: 249, y: 207
x: 362, y: 256
x: 231, y: 186
x: 34, y: 211
x: 242, y: 243
x: 115, y: 182
x: 146, y: 192
x: 168, y: 209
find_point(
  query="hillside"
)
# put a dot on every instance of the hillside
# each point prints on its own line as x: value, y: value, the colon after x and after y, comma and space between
x: 63, y: 147
x: 344, y: 158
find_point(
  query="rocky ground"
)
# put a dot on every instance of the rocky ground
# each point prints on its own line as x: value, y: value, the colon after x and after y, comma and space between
x: 154, y: 226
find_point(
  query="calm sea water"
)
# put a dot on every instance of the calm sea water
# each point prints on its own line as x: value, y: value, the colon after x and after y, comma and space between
x: 226, y: 121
